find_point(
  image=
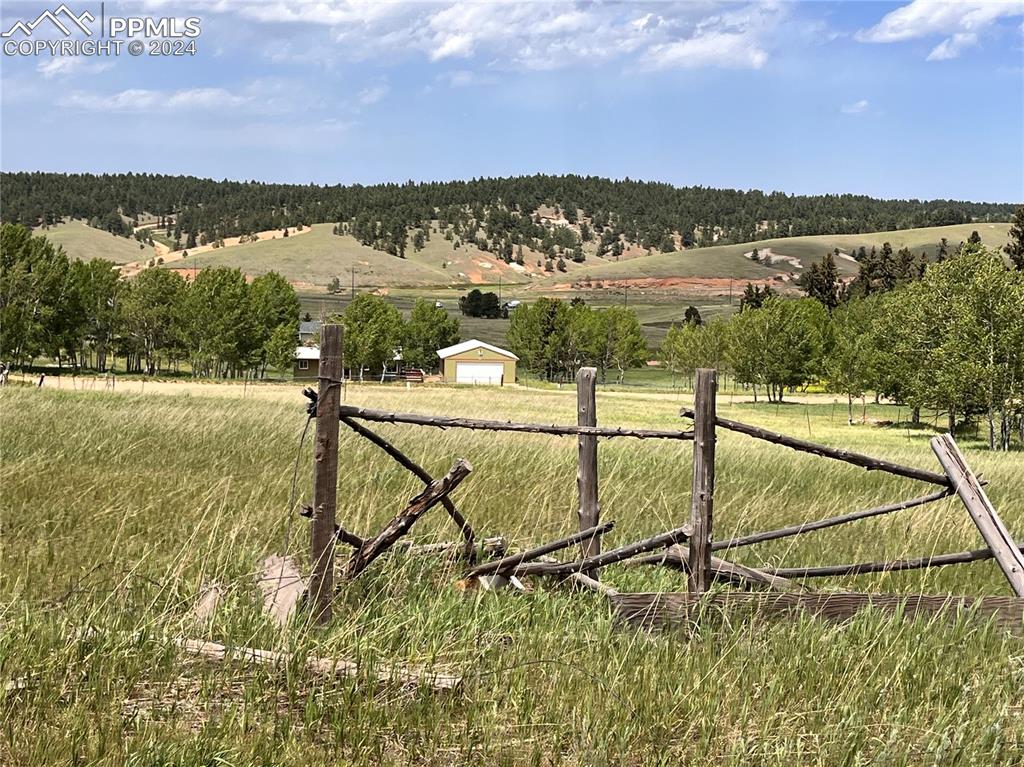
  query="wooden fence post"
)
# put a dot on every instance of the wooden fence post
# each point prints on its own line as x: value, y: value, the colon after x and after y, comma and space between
x: 991, y: 527
x: 586, y: 474
x: 325, y: 476
x: 703, y: 488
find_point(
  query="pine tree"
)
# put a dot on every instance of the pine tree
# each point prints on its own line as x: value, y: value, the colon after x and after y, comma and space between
x: 1015, y: 247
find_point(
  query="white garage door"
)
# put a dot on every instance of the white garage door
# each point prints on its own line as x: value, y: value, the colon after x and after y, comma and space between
x: 479, y: 373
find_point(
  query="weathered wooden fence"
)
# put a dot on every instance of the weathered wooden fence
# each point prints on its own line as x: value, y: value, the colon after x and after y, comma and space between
x: 689, y: 548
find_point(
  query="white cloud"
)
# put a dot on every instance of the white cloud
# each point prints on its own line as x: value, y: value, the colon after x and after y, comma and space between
x: 733, y: 40
x: 453, y: 45
x: 145, y: 100
x: 856, y: 108
x: 952, y: 47
x: 464, y: 78
x: 373, y: 94
x: 532, y: 35
x: 64, y: 66
x: 716, y: 49
x: 959, y: 22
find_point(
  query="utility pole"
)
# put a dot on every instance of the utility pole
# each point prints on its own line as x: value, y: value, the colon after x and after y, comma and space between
x: 352, y: 297
x: 499, y: 288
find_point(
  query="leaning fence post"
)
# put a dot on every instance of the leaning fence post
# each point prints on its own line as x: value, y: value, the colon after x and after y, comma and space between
x: 325, y: 475
x: 990, y: 525
x: 703, y: 488
x: 586, y: 474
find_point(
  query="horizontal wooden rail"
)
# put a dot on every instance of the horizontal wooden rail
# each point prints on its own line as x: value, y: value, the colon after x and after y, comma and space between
x: 665, y: 610
x: 535, y: 553
x: 892, y: 566
x: 821, y: 524
x: 722, y: 571
x: 445, y: 422
x: 838, y: 454
x: 659, y: 541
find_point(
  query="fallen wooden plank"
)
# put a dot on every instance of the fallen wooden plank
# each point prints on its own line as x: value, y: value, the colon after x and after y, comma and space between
x: 668, y: 609
x: 282, y: 587
x: 320, y: 666
x: 607, y: 558
x: 743, y: 575
x: 539, y: 551
x: 405, y: 519
x: 210, y: 596
x: 586, y: 582
x: 491, y: 547
x: 677, y: 558
x: 991, y: 527
x: 446, y: 422
x: 847, y: 456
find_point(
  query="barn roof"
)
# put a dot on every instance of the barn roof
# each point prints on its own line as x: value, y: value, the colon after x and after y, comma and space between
x: 465, y: 346
x: 307, y: 353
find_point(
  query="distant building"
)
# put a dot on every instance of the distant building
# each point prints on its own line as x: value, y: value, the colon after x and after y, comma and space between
x: 307, y: 353
x: 309, y: 332
x: 477, y: 362
x: 307, y: 362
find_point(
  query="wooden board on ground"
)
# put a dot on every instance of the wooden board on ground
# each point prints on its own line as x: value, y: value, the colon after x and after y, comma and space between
x: 668, y: 609
x: 210, y: 597
x: 282, y: 587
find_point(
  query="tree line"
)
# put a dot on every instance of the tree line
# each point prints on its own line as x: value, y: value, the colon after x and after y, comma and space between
x: 377, y: 336
x: 498, y: 214
x: 554, y: 338
x: 950, y: 339
x: 83, y: 315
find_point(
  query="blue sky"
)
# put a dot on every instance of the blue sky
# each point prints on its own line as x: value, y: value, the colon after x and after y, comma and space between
x: 907, y: 99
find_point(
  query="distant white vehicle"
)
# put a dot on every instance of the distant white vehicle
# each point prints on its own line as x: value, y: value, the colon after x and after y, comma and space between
x: 438, y: 305
x: 513, y: 303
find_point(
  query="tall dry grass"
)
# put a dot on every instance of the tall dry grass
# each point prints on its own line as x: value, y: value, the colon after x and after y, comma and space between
x: 116, y: 508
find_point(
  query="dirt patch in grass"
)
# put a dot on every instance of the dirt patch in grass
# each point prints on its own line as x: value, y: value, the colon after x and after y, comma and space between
x: 704, y: 286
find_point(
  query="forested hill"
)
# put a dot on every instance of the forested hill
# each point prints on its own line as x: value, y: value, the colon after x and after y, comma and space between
x: 501, y: 210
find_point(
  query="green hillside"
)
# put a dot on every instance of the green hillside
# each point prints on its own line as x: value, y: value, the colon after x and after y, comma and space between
x: 317, y: 256
x: 729, y: 261
x: 80, y: 240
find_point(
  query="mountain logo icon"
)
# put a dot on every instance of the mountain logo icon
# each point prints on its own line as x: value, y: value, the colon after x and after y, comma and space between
x: 70, y: 20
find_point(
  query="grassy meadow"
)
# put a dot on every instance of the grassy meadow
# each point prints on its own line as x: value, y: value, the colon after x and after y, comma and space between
x: 729, y: 260
x: 318, y: 256
x: 80, y: 240
x: 116, y: 508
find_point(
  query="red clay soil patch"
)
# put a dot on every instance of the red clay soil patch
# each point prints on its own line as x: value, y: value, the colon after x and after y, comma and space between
x: 711, y: 286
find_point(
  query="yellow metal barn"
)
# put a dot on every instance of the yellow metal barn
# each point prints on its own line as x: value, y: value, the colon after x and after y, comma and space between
x: 477, y: 362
